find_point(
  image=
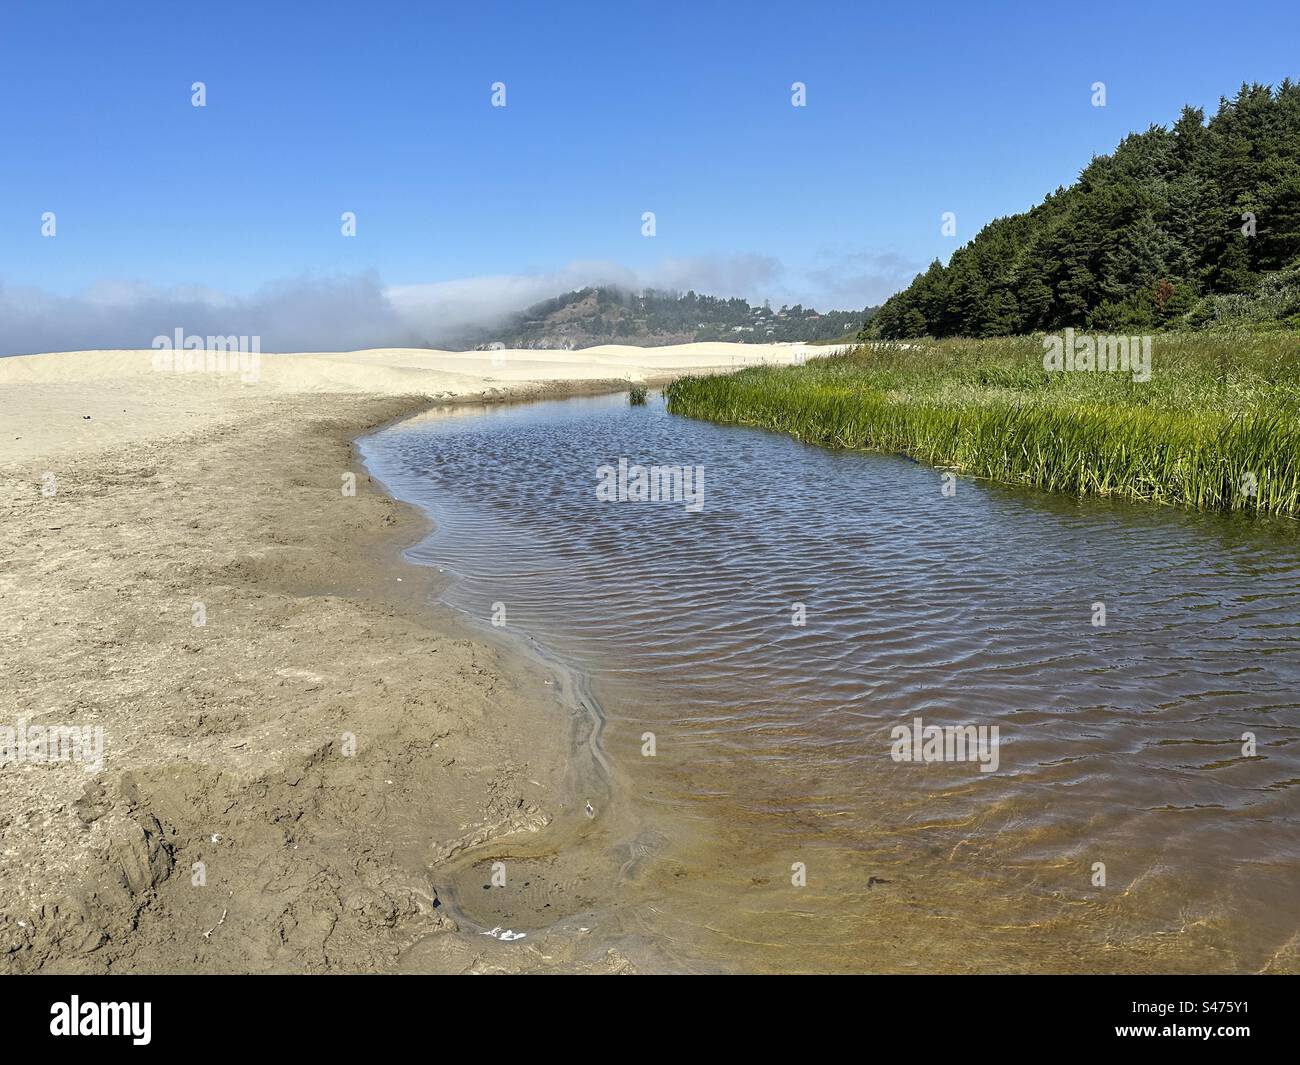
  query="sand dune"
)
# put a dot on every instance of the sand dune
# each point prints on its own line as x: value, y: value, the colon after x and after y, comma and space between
x: 381, y: 370
x: 53, y: 402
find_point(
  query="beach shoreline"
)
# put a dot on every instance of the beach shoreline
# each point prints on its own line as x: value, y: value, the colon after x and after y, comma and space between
x: 294, y: 731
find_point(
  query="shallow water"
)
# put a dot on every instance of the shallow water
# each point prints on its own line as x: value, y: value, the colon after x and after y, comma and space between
x: 1119, y: 744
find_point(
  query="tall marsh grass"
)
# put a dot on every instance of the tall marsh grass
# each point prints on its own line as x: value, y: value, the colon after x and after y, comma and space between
x: 1217, y: 426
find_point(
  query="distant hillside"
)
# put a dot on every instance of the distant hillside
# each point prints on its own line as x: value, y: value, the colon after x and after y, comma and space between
x: 615, y: 316
x: 1178, y: 228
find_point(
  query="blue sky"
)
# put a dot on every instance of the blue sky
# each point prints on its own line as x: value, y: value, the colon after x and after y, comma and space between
x: 613, y: 109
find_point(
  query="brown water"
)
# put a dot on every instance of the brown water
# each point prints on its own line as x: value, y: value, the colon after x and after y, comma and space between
x: 1119, y: 744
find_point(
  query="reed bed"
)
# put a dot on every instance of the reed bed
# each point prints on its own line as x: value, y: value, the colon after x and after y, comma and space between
x: 1217, y: 426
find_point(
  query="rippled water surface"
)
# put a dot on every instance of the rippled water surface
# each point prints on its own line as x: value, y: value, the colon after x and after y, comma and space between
x: 1120, y: 748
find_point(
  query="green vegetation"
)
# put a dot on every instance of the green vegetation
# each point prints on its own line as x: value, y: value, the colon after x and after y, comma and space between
x: 636, y: 395
x: 1179, y: 229
x: 1217, y: 426
x: 616, y: 316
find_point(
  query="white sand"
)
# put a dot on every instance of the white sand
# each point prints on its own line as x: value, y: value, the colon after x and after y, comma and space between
x: 44, y: 399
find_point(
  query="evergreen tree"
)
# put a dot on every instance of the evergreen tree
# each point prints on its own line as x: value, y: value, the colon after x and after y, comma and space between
x: 1139, y: 239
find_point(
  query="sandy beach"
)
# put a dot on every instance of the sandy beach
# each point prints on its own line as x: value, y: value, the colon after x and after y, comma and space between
x: 294, y: 734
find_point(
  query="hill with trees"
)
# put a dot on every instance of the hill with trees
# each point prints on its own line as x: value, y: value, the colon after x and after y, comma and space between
x: 607, y: 315
x: 1179, y: 228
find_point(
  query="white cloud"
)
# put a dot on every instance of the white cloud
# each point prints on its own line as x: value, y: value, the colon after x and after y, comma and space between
x: 733, y: 275
x: 345, y: 313
x: 446, y: 311
x: 304, y: 315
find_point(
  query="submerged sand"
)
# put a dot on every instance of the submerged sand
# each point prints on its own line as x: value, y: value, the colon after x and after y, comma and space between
x: 281, y: 783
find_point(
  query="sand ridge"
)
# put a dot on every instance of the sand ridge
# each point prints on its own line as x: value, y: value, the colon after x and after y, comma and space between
x: 67, y: 400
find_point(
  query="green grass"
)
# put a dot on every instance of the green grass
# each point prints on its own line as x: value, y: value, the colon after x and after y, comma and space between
x: 1220, y: 410
x: 636, y: 395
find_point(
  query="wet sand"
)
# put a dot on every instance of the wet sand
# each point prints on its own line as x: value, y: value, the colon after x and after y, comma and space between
x: 280, y: 784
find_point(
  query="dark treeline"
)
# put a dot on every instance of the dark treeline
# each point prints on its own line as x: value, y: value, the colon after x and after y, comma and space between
x: 1178, y: 228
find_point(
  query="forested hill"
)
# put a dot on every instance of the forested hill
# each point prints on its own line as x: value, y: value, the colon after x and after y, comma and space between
x: 609, y: 315
x: 1178, y: 228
